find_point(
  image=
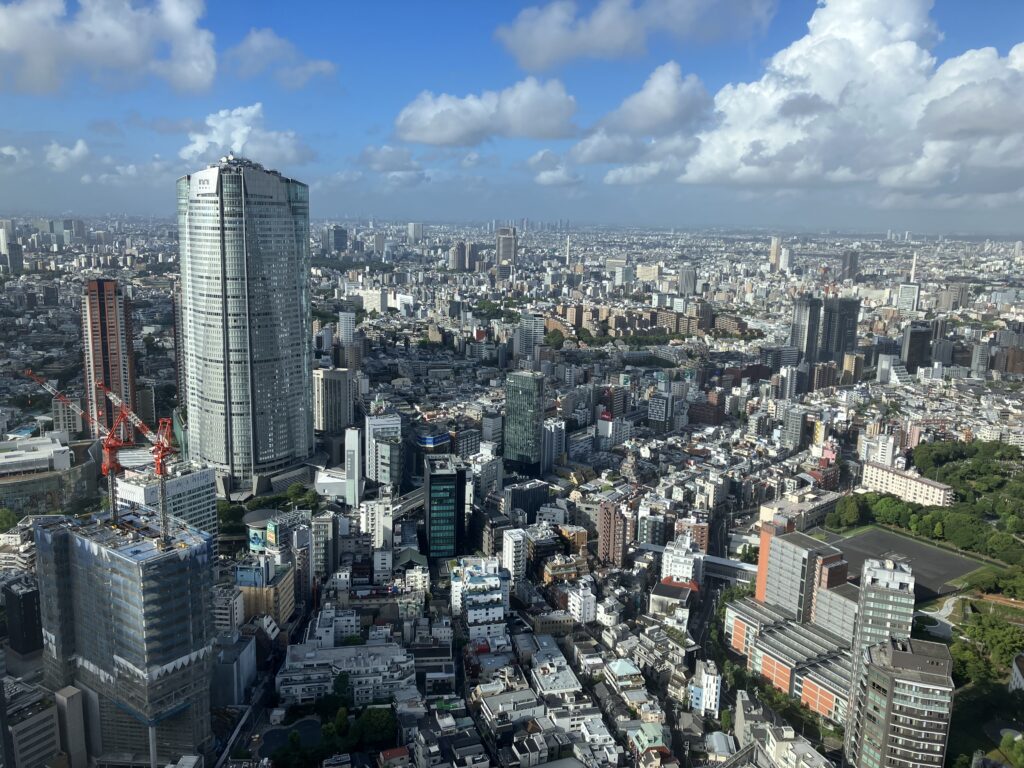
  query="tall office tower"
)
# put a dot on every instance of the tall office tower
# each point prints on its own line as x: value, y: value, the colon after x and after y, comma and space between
x: 379, y: 243
x: 346, y: 328
x: 333, y: 239
x: 529, y: 334
x: 553, y: 444
x: 180, y: 365
x: 885, y: 607
x: 850, y: 268
x: 795, y: 566
x: 354, y: 480
x: 383, y: 438
x: 507, y: 243
x: 838, y: 328
x: 444, y: 502
x: 333, y: 400
x: 190, y: 493
x: 414, y: 231
x: 773, y: 254
x: 784, y: 260
x: 915, y: 350
x: 127, y: 617
x: 524, y: 420
x: 687, y: 281
x: 907, y: 298
x: 901, y: 706
x: 457, y: 257
x: 803, y: 332
x: 981, y: 355
x: 107, y: 343
x: 244, y: 240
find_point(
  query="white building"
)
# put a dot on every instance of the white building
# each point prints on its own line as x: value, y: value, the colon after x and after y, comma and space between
x: 908, y: 486
x: 377, y: 518
x: 513, y: 554
x: 583, y: 603
x: 682, y: 560
x: 383, y: 438
x: 706, y: 689
x: 480, y: 595
x: 375, y: 672
x: 346, y: 327
x: 191, y: 495
x: 332, y: 627
x: 228, y: 608
x: 250, y: 393
x: 488, y: 471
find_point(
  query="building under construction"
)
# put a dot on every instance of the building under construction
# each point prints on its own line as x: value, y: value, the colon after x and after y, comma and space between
x: 127, y: 617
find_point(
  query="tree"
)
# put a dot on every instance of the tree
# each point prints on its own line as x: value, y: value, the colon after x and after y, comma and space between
x: 727, y: 720
x: 296, y: 491
x: 554, y: 339
x: 7, y: 519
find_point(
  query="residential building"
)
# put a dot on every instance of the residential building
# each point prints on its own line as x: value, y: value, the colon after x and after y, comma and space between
x: 190, y: 495
x: 908, y: 486
x: 109, y: 361
x: 333, y: 397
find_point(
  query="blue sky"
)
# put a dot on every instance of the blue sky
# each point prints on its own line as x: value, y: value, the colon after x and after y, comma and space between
x: 783, y: 114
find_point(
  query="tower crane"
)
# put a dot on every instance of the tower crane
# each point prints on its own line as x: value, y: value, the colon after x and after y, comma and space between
x: 112, y: 440
x: 162, y: 449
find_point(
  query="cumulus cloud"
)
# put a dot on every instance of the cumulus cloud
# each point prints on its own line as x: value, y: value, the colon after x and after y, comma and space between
x: 528, y: 109
x: 13, y: 158
x: 60, y: 158
x: 264, y: 49
x: 542, y: 36
x: 667, y: 102
x: 387, y: 159
x: 41, y: 43
x: 861, y: 99
x: 552, y: 170
x: 240, y: 130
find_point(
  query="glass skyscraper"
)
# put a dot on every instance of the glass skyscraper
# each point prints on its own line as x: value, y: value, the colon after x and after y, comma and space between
x: 524, y: 420
x: 444, y: 504
x: 128, y: 618
x: 247, y: 349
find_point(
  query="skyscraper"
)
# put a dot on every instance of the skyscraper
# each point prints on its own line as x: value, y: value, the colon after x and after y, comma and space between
x: 900, y: 708
x: 838, y: 328
x: 107, y: 344
x: 850, y: 265
x: 915, y: 350
x: 444, y: 503
x: 346, y: 327
x: 803, y: 332
x: 507, y: 243
x: 529, y: 334
x: 353, y: 468
x: 333, y: 397
x: 190, y: 495
x: 383, y: 438
x: 127, y: 616
x: 687, y: 281
x: 333, y: 239
x: 773, y: 253
x: 885, y: 606
x: 907, y: 298
x: 244, y: 240
x: 524, y: 420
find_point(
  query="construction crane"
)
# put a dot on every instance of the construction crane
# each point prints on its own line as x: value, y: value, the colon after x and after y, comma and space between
x: 162, y: 449
x: 112, y: 440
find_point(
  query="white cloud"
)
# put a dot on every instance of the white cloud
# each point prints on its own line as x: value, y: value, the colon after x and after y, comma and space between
x: 60, y: 158
x: 604, y: 147
x: 14, y: 158
x: 552, y: 170
x: 385, y: 159
x: 667, y: 102
x: 542, y: 36
x: 410, y: 178
x: 241, y: 131
x: 264, y: 49
x: 528, y: 109
x: 41, y: 43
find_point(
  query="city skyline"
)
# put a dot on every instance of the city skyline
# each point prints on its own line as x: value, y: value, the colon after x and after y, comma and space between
x: 731, y: 114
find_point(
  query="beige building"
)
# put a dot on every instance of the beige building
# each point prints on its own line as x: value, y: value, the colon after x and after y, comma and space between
x: 908, y: 486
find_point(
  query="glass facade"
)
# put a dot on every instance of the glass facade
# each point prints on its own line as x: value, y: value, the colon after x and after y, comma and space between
x: 244, y: 239
x: 524, y: 420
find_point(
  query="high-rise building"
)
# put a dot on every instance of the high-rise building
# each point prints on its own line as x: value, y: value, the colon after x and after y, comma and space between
x: 838, y: 328
x: 885, y: 607
x: 414, y: 230
x: 901, y: 706
x: 444, y: 502
x: 524, y: 420
x: 190, y: 495
x: 687, y: 281
x: 529, y: 334
x: 784, y: 260
x: 915, y: 350
x: 127, y: 616
x: 981, y: 356
x: 383, y: 438
x: 354, y: 479
x: 850, y: 269
x: 793, y: 566
x: 380, y: 520
x: 507, y: 243
x: 553, y: 444
x: 907, y: 298
x: 346, y: 328
x: 334, y: 239
x: 773, y: 253
x: 107, y: 343
x: 333, y: 400
x: 244, y: 242
x: 513, y: 554
x: 803, y: 333
x: 616, y: 530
